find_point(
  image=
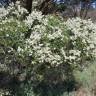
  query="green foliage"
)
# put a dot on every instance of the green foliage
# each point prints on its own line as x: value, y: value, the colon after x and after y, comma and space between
x: 41, y: 52
x: 12, y: 32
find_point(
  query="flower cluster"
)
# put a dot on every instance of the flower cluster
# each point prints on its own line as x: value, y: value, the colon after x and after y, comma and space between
x: 4, y: 92
x: 34, y: 18
x: 13, y: 10
x: 83, y: 31
x: 3, y: 12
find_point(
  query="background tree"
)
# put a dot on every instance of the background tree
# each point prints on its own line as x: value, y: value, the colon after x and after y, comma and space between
x: 75, y: 8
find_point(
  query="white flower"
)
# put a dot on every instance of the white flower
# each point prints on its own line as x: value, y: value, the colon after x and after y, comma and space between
x: 35, y: 15
x: 75, y: 52
x: 19, y: 49
x: 3, y: 12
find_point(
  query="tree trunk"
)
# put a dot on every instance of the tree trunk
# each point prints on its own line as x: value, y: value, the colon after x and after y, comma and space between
x: 27, y: 4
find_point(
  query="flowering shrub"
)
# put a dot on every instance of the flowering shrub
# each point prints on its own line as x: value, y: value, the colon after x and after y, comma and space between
x: 57, y: 43
x: 52, y: 48
x: 56, y: 47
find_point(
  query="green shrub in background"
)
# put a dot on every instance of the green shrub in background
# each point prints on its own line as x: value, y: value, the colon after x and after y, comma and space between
x: 87, y: 77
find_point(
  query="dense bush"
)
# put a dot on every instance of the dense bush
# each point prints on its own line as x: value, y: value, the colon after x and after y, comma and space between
x: 55, y: 43
x: 12, y: 35
x: 43, y: 49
